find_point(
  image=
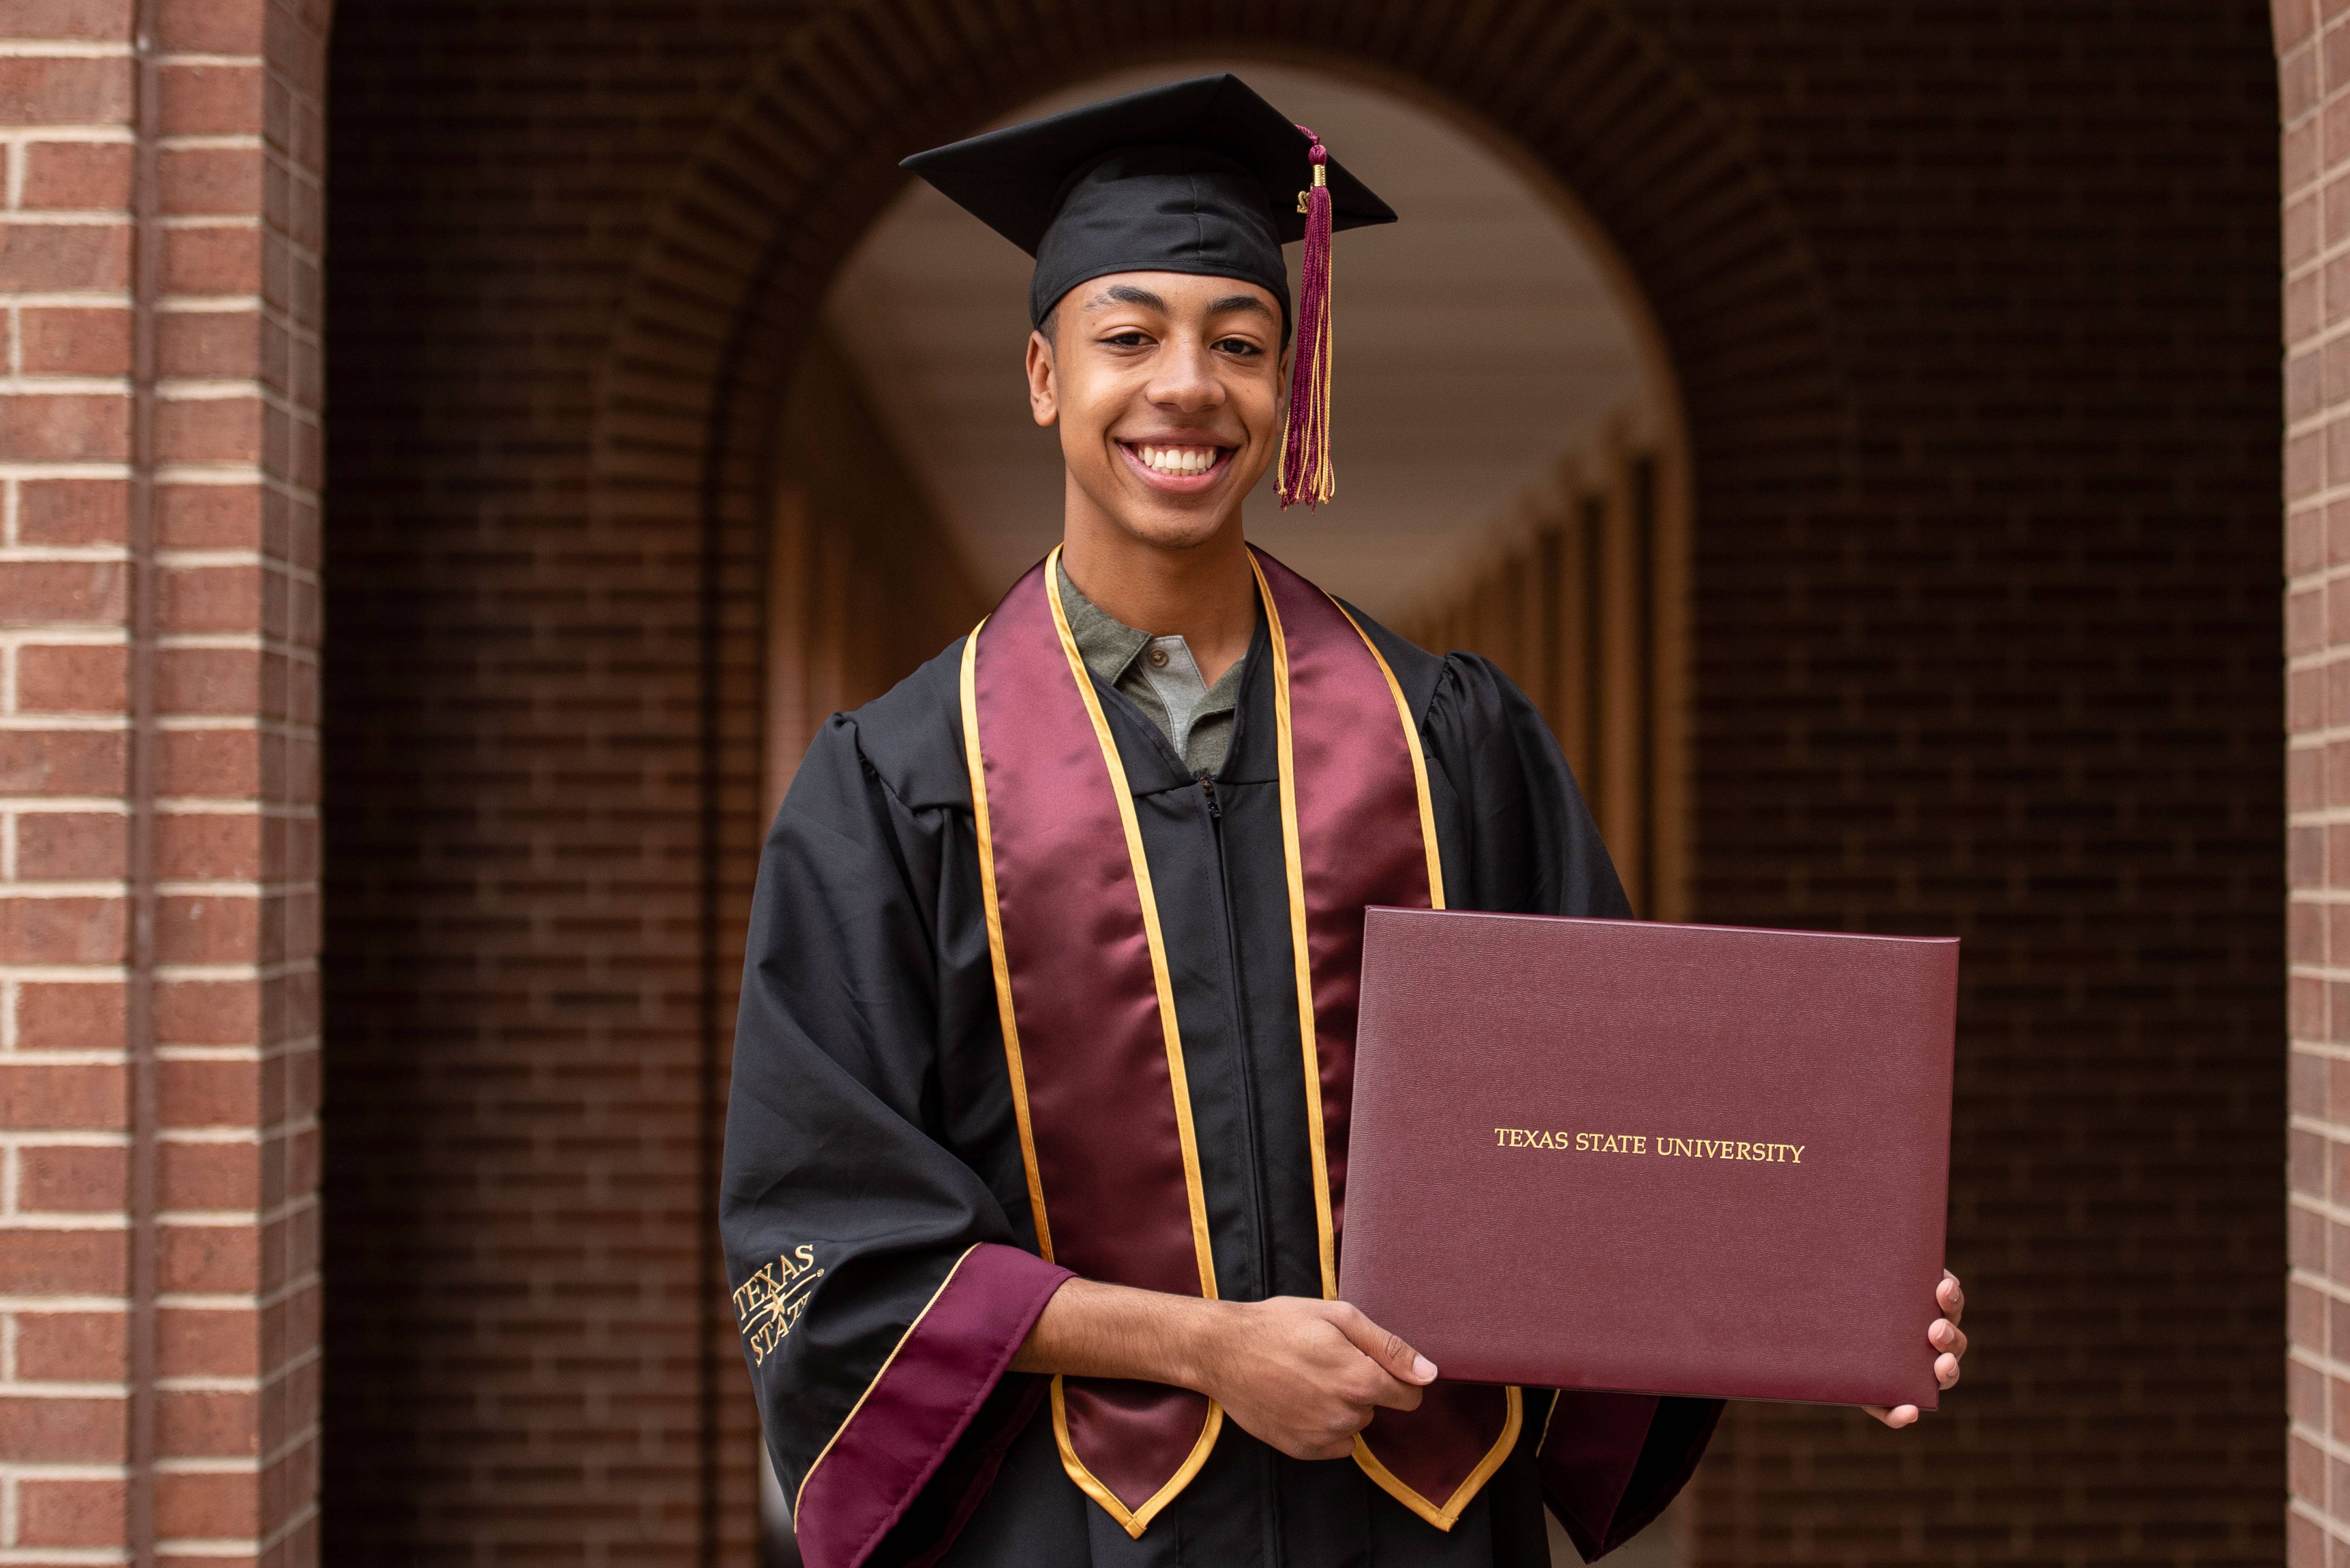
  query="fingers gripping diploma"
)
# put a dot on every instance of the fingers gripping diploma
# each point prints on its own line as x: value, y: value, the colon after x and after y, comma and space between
x: 1301, y: 1376
x: 1950, y: 1343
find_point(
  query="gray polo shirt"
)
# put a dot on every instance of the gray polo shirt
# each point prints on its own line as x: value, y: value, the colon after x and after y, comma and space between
x: 1157, y: 675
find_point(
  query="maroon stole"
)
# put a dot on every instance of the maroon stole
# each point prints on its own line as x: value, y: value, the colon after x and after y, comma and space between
x: 1089, y: 1015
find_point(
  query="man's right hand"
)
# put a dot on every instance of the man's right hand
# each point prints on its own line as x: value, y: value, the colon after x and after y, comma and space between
x: 1306, y: 1375
x: 1302, y: 1375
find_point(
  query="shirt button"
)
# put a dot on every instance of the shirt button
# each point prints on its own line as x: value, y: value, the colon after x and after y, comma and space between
x: 1158, y: 659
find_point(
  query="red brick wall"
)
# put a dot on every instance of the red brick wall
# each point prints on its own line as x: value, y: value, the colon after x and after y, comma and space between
x: 2012, y: 672
x: 159, y: 834
x: 2314, y: 83
x: 1973, y: 312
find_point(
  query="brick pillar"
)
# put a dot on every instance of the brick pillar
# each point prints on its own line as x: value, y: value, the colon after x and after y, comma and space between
x: 159, y: 533
x: 2313, y: 72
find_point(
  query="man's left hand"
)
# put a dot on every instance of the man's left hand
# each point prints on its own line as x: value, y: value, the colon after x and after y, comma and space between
x: 1948, y: 1341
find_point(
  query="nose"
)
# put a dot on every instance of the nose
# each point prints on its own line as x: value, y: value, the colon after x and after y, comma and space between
x: 1183, y: 378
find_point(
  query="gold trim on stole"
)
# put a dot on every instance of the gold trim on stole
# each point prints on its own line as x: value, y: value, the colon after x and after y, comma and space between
x: 1137, y: 1521
x: 1419, y: 758
x: 970, y: 684
x: 1134, y: 1521
x: 1124, y: 795
x: 1294, y: 866
x: 1443, y: 1515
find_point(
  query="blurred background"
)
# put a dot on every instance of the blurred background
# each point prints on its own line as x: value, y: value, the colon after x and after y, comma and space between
x: 1893, y: 444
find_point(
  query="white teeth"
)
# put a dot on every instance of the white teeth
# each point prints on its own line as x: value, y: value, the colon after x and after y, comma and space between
x: 1177, y: 459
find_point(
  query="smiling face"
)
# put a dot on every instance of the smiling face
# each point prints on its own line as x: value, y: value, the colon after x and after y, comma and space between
x: 1166, y: 389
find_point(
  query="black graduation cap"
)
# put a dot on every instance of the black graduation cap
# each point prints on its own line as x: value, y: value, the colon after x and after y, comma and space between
x: 1201, y: 176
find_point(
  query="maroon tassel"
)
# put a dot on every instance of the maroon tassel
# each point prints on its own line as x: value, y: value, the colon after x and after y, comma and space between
x: 1306, y: 472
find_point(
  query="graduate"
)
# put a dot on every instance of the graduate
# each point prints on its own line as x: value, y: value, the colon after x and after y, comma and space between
x: 1036, y: 1164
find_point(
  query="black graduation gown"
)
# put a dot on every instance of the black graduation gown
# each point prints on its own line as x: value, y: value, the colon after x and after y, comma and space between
x: 870, y: 1134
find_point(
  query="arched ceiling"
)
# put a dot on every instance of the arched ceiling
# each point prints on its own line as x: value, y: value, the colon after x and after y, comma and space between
x: 1477, y: 340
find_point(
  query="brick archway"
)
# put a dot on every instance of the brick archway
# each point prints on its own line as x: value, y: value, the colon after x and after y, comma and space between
x: 804, y: 160
x: 798, y: 166
x: 1985, y: 625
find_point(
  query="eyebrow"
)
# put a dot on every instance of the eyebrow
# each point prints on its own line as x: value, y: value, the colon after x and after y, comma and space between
x: 1133, y: 293
x: 1128, y: 294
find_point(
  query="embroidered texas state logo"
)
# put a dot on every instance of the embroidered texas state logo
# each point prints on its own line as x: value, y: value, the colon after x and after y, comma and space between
x: 771, y: 1300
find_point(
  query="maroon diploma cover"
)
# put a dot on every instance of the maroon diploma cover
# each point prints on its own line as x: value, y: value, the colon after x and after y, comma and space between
x: 1672, y: 1160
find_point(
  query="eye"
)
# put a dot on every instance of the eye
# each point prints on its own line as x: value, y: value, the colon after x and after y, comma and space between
x: 1239, y: 346
x: 1130, y: 338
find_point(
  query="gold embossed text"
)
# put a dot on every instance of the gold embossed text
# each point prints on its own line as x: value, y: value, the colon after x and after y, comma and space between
x: 1566, y: 1140
x: 771, y: 1300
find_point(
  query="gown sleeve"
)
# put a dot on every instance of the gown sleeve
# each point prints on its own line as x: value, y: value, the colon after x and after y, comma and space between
x: 879, y: 1286
x: 1608, y: 1463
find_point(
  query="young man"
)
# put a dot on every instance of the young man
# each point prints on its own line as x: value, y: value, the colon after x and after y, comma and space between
x: 1034, y: 1173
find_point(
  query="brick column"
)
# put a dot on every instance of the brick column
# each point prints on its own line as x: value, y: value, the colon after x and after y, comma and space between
x: 158, y: 533
x: 2314, y: 70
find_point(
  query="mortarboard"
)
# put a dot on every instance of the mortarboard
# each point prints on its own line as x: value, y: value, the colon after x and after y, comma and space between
x: 1201, y: 176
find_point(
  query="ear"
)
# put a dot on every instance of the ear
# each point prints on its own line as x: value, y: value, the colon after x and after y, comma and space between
x: 1043, y: 387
